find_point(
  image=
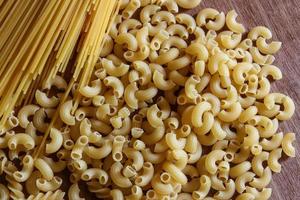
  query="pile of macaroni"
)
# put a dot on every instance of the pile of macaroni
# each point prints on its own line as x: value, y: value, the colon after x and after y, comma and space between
x: 177, y: 108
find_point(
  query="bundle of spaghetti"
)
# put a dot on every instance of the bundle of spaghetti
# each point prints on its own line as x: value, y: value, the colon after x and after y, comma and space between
x: 89, y: 51
x: 38, y: 39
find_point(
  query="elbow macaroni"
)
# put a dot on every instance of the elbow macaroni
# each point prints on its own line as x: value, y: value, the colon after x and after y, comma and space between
x: 176, y: 107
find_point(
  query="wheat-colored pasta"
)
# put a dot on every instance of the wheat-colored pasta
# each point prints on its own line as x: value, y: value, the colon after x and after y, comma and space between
x: 160, y: 104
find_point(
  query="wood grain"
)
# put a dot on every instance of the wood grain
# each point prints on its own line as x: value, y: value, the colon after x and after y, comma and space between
x: 283, y: 18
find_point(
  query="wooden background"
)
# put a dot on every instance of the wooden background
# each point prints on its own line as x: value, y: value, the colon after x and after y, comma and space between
x: 283, y: 19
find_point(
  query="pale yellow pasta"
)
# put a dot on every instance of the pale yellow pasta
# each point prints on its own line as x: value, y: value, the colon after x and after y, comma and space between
x: 4, y: 192
x: 164, y: 107
x: 273, y: 160
x: 124, y: 129
x: 212, y: 158
x: 194, y: 157
x: 161, y: 83
x: 239, y: 71
x: 145, y: 178
x: 252, y: 137
x: 257, y: 163
x: 287, y: 145
x: 161, y: 147
x: 73, y: 192
x: 160, y: 187
x: 188, y: 4
x: 230, y: 40
x: 129, y: 25
x: 44, y: 169
x: 56, y: 166
x: 264, y: 88
x: 217, y: 130
x: 263, y: 195
x: 263, y: 180
x: 212, y: 14
x: 117, y: 147
x: 79, y: 146
x: 198, y: 112
x: 272, y: 143
x: 99, y: 152
x: 24, y: 174
x: 215, y: 60
x: 173, y: 142
x: 44, y: 101
x: 95, y: 173
x: 56, y: 141
x: 57, y: 195
x: 167, y: 55
x: 199, y: 50
x: 154, y: 29
x: 116, y: 122
x: 57, y: 81
x: 180, y: 62
x: 129, y: 95
x: 136, y: 157
x: 259, y: 58
x: 24, y: 113
x: 191, y: 143
x: 127, y: 40
x: 248, y: 114
x: 147, y: 12
x: 240, y: 169
x: 65, y: 113
x: 83, y: 112
x: 270, y: 70
x: 136, y: 193
x: 130, y: 9
x: 178, y: 29
x: 232, y: 97
x: 231, y: 113
x: 176, y: 107
x: 159, y: 39
x: 245, y: 196
x: 108, y: 45
x: 190, y: 87
x: 228, y: 192
x: 129, y: 172
x: 205, y: 185
x: 232, y: 24
x: 116, y: 84
x: 186, y: 20
x: 194, y: 183
x: 221, y: 145
x: 179, y: 158
x: 242, y: 180
x: 48, y: 185
x: 154, y: 135
x: 175, y: 172
x: 178, y: 78
x: 39, y: 118
x: 246, y: 44
x: 260, y: 31
x: 117, y: 177
x: 266, y: 48
x: 93, y: 90
x: 113, y: 69
x: 163, y: 16
x: 151, y: 195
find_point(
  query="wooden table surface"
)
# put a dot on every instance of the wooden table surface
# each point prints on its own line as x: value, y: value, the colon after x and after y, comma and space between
x: 283, y: 19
